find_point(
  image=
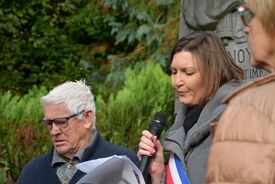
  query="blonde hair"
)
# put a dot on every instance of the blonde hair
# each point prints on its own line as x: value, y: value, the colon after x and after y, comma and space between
x: 265, y: 11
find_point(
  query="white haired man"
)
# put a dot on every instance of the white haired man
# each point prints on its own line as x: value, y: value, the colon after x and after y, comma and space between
x: 69, y: 114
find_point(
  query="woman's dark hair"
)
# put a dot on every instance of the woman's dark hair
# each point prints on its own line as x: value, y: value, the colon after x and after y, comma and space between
x: 215, y: 64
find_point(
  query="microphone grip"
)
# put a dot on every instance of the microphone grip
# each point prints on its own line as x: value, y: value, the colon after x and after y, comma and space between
x: 146, y: 160
x: 156, y: 127
x: 144, y: 165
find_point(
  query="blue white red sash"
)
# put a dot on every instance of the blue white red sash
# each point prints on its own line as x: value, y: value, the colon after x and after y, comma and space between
x: 175, y: 172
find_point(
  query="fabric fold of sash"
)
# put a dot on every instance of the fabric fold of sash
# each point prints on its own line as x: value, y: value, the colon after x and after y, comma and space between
x: 175, y: 172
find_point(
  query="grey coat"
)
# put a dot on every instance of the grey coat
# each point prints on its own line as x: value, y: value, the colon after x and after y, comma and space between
x: 193, y: 148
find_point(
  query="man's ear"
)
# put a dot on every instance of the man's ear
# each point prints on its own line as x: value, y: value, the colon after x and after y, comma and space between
x: 88, y: 118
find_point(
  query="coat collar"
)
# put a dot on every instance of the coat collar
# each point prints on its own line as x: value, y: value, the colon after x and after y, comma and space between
x: 177, y: 141
x: 252, y: 84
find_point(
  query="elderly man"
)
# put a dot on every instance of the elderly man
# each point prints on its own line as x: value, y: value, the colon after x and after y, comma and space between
x: 69, y: 114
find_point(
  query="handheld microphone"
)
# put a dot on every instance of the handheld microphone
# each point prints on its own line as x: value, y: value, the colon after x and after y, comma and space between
x: 156, y: 127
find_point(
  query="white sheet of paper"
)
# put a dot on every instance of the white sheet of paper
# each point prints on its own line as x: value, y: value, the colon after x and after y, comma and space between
x: 110, y: 170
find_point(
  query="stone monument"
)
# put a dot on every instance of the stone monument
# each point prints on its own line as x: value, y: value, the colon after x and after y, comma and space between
x: 220, y: 16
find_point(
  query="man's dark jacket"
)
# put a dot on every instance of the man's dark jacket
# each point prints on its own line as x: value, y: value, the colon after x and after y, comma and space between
x: 39, y: 170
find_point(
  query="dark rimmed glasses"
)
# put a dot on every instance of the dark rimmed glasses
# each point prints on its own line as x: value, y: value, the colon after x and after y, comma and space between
x: 246, y: 15
x: 62, y: 122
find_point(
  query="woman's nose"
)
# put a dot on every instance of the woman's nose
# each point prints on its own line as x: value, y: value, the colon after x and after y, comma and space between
x: 179, y: 80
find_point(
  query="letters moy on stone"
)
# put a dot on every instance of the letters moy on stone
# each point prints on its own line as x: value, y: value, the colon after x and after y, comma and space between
x: 241, y: 55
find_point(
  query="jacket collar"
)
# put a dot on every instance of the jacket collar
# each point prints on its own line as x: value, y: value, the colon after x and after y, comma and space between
x: 176, y: 140
x: 252, y: 84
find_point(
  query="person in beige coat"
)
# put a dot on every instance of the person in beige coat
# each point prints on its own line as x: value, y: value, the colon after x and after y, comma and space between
x: 243, y: 148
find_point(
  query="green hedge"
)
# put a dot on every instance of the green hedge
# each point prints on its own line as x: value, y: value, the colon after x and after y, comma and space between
x: 22, y: 137
x: 131, y: 110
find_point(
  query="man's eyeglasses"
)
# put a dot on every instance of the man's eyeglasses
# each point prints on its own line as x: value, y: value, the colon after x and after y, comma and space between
x: 246, y: 15
x: 62, y: 122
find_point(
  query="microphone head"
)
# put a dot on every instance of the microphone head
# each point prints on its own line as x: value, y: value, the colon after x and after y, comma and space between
x: 158, y: 124
x: 159, y: 118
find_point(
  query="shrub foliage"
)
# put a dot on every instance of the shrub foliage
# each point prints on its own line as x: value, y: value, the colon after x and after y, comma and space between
x: 22, y: 137
x: 130, y: 111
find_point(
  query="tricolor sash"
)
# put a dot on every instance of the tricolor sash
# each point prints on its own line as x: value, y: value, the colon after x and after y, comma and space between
x: 175, y: 172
